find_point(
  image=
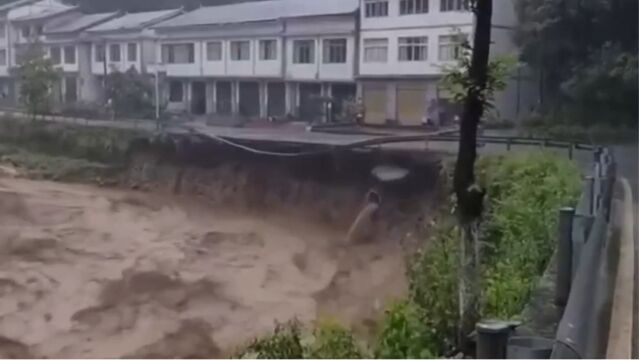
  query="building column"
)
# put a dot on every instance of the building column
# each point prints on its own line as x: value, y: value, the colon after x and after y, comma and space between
x: 359, y: 90
x: 235, y: 105
x: 263, y: 88
x: 391, y: 100
x: 292, y: 98
x: 187, y: 95
x: 210, y: 96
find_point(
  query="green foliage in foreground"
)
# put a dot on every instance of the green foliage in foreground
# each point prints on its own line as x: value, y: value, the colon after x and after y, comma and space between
x: 328, y: 340
x: 524, y: 193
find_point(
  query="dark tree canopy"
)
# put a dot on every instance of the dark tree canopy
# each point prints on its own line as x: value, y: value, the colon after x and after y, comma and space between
x: 586, y: 52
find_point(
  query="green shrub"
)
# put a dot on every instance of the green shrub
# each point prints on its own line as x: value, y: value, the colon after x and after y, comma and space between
x: 331, y: 340
x: 283, y: 343
x: 404, y: 334
x: 524, y: 192
x: 96, y: 144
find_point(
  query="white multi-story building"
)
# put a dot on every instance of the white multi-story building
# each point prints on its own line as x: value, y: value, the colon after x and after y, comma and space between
x: 6, y: 49
x: 125, y: 42
x: 269, y: 58
x: 66, y: 46
x: 405, y: 46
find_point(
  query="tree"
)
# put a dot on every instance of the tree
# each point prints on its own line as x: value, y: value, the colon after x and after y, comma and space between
x: 565, y: 41
x: 131, y: 93
x: 37, y: 78
x: 468, y: 194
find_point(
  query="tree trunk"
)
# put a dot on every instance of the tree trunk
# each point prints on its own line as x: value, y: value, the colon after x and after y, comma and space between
x: 470, y: 197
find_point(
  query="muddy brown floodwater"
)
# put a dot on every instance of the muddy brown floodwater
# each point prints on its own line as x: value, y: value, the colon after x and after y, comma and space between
x: 93, y: 272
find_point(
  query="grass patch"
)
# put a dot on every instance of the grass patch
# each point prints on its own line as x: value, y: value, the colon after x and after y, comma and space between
x: 95, y: 144
x: 601, y: 133
x: 50, y: 167
x: 524, y: 192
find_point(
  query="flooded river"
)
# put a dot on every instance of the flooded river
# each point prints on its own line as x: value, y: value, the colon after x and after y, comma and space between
x: 93, y: 272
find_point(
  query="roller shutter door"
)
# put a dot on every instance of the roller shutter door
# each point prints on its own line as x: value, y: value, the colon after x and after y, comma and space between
x: 375, y: 103
x: 411, y: 104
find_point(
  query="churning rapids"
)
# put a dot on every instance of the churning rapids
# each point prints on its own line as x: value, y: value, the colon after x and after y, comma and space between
x: 93, y: 272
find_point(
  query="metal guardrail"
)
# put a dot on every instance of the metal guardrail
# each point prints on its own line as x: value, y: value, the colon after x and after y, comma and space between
x: 585, y: 278
x: 586, y: 289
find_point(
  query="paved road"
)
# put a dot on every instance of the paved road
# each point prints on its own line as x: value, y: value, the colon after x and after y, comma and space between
x: 626, y: 155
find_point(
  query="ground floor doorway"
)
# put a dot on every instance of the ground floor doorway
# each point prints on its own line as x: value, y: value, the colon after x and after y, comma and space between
x: 198, y: 97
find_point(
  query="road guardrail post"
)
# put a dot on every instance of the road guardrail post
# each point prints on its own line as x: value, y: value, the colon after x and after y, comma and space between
x: 564, y: 256
x: 492, y: 339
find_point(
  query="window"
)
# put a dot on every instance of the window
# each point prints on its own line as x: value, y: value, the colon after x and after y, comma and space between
x: 3, y: 57
x: 413, y: 48
x: 214, y: 51
x: 26, y: 31
x: 375, y: 50
x: 376, y: 8
x: 39, y: 30
x: 69, y: 54
x: 413, y: 7
x: 178, y: 53
x: 450, y: 47
x: 268, y: 49
x: 303, y: 51
x: 454, y: 5
x: 56, y: 55
x: 132, y: 52
x: 176, y: 91
x: 334, y: 51
x: 240, y: 50
x: 114, y: 52
x: 99, y: 53
x: 3, y: 30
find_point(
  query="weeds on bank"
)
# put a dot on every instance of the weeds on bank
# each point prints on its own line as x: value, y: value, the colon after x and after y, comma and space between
x: 524, y: 192
x: 95, y: 144
x: 328, y: 340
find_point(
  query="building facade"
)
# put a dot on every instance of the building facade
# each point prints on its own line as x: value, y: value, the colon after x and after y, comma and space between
x: 299, y: 59
x: 271, y: 58
x: 406, y: 46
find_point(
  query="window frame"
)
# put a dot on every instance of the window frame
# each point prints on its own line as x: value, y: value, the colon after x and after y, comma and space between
x: 99, y: 53
x: 66, y: 53
x: 382, y: 44
x: 298, y: 57
x: 375, y: 8
x: 56, y: 60
x: 220, y: 51
x: 263, y: 56
x: 413, y: 7
x: 453, y: 5
x: 334, y: 51
x: 112, y: 53
x: 413, y: 48
x: 130, y: 46
x: 453, y: 44
x: 168, y: 54
x: 237, y: 52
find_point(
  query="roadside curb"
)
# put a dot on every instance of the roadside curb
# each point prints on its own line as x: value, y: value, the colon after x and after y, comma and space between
x: 621, y: 336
